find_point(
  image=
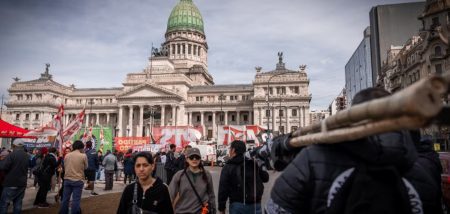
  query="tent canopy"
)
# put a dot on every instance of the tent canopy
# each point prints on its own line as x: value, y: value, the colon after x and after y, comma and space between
x: 8, y: 130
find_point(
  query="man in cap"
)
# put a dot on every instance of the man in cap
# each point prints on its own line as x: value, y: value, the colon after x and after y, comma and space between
x: 16, y: 164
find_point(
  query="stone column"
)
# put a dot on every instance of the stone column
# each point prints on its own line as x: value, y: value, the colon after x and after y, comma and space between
x: 202, y: 123
x: 288, y: 124
x: 260, y: 117
x: 97, y: 119
x: 238, y: 119
x: 303, y: 116
x: 273, y: 119
x: 163, y: 114
x: 226, y: 118
x: 130, y: 122
x: 120, y: 124
x: 190, y: 118
x: 141, y: 121
x: 214, y: 124
x: 108, y: 116
x: 174, y: 115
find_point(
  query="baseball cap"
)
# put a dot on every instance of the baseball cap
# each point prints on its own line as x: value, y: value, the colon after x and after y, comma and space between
x: 193, y: 151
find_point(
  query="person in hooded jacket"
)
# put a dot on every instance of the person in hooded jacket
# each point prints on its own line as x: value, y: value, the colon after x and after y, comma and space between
x: 128, y: 166
x: 304, y: 185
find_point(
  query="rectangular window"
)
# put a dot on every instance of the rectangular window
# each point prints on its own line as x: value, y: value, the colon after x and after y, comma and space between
x: 296, y: 90
x: 245, y: 117
x: 438, y: 68
x: 233, y: 118
x: 36, y: 117
x: 189, y: 49
x: 17, y: 116
x: 435, y: 22
x: 267, y: 113
x: 39, y: 96
x: 281, y: 113
x: 27, y: 116
x: 283, y: 90
x: 20, y: 97
x: 294, y: 112
x: 29, y: 97
x: 270, y: 90
x: 209, y: 118
x: 199, y: 118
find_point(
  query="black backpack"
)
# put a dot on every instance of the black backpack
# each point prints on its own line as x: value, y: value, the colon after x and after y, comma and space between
x: 251, y: 184
x: 372, y: 189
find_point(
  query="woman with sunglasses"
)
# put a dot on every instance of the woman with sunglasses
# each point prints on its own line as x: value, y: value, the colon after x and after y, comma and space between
x: 147, y: 194
x: 191, y: 189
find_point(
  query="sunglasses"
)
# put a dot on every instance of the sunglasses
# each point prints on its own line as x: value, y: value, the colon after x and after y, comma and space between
x: 194, y: 157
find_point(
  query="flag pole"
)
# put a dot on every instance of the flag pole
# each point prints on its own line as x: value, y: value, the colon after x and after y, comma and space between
x: 1, y: 110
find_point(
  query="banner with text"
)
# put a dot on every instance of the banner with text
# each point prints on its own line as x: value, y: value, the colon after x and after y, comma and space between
x: 122, y: 144
x: 228, y: 134
x: 178, y: 135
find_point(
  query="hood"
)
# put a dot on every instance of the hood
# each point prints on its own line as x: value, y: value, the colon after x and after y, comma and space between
x: 394, y: 148
x: 236, y: 160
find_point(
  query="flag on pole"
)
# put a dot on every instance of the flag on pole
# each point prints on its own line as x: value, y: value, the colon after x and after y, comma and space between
x: 73, y: 127
x: 58, y: 124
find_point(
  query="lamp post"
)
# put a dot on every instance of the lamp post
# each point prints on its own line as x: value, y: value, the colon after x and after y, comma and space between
x: 221, y: 96
x: 128, y: 130
x: 280, y: 116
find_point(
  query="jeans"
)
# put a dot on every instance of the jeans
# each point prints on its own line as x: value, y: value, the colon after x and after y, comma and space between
x: 14, y: 194
x: 73, y: 188
x: 241, y: 208
x: 109, y: 179
x: 99, y: 172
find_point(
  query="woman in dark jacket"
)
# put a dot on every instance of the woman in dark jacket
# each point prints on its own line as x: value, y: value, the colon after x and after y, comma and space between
x: 128, y: 166
x: 152, y: 195
x: 49, y: 164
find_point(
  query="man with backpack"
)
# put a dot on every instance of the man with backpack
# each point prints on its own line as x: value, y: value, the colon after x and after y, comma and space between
x: 376, y: 174
x: 241, y: 181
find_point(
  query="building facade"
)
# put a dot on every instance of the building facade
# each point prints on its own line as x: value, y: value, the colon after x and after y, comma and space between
x: 175, y: 89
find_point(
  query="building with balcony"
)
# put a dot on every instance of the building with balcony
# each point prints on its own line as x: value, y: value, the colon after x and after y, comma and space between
x: 175, y: 89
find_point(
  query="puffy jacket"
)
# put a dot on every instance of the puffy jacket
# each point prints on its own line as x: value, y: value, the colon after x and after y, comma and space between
x: 92, y: 159
x: 304, y: 185
x: 16, y: 168
x: 230, y: 184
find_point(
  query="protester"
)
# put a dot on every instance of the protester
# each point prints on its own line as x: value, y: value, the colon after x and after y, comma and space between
x: 74, y: 165
x: 191, y: 189
x: 316, y: 179
x: 32, y: 163
x: 238, y: 180
x: 37, y: 159
x: 92, y: 167
x: 128, y: 166
x: 100, y: 166
x: 152, y: 194
x: 3, y: 156
x: 16, y: 166
x: 181, y: 161
x: 109, y: 162
x: 61, y: 172
x: 170, y: 165
x: 118, y: 168
x: 45, y: 175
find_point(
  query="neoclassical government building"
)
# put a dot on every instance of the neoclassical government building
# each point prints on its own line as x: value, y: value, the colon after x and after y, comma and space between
x: 175, y: 89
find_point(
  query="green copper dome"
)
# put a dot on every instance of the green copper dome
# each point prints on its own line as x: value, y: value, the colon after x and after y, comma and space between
x: 185, y: 16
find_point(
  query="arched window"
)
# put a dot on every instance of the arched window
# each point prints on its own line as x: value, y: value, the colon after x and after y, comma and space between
x: 438, y: 50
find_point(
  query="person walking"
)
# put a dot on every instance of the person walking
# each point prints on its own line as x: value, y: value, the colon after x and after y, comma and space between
x: 128, y: 166
x: 191, y: 189
x: 61, y: 172
x: 110, y: 163
x: 241, y: 181
x: 92, y: 167
x: 37, y: 159
x: 147, y: 194
x: 171, y: 164
x: 15, y: 183
x: 74, y: 165
x: 45, y: 175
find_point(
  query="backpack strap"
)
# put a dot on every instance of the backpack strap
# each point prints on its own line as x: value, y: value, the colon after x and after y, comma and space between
x: 193, y: 188
x: 135, y: 194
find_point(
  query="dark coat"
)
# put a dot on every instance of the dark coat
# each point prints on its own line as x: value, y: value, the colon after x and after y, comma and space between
x: 304, y: 185
x: 92, y: 159
x: 16, y: 167
x: 230, y: 184
x: 128, y: 164
x: 49, y: 164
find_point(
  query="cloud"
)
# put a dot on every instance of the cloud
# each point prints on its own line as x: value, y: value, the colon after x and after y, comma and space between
x: 96, y: 43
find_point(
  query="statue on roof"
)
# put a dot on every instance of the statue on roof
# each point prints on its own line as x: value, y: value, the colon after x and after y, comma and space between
x: 280, y: 57
x: 16, y: 79
x: 46, y: 75
x: 47, y: 65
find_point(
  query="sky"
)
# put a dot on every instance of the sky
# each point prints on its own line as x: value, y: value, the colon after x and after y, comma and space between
x: 96, y: 43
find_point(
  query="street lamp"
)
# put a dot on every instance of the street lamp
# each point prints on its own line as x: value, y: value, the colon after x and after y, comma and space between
x: 128, y: 130
x: 221, y: 96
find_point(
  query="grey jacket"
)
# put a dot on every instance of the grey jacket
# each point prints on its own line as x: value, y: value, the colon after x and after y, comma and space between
x: 109, y: 161
x: 188, y: 201
x: 16, y: 167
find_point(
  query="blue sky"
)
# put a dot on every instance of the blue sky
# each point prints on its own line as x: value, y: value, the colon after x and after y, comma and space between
x: 96, y: 43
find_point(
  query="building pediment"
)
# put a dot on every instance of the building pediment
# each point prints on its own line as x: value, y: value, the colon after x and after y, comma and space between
x: 148, y: 90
